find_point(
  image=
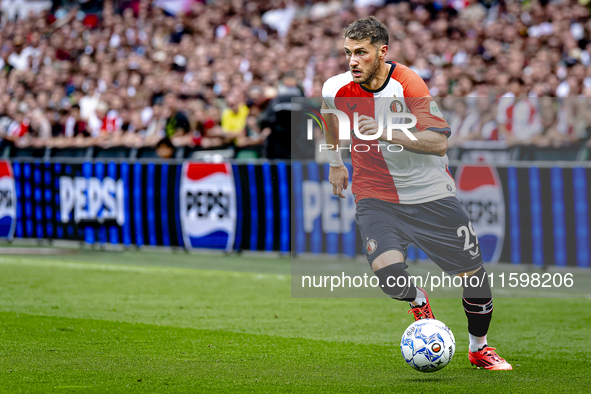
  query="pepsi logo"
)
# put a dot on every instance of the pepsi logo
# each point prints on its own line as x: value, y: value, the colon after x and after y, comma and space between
x: 480, y: 192
x: 92, y: 199
x: 204, y: 204
x: 208, y: 205
x: 319, y: 203
x: 7, y: 201
x: 6, y: 198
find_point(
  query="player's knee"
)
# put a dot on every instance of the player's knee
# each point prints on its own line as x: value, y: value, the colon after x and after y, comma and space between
x: 477, y: 293
x: 389, y: 257
x: 394, y: 280
x: 469, y: 273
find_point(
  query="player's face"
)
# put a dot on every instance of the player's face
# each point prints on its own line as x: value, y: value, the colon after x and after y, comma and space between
x: 363, y: 59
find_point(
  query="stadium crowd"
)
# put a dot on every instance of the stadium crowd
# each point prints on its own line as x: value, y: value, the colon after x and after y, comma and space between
x: 136, y: 75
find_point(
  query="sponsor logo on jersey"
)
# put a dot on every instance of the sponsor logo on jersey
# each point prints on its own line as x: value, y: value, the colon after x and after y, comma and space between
x: 92, y: 199
x: 7, y: 201
x: 434, y: 109
x: 351, y: 108
x: 208, y: 205
x: 481, y: 194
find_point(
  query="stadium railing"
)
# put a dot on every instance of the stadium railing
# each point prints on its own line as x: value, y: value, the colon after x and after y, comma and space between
x: 470, y: 152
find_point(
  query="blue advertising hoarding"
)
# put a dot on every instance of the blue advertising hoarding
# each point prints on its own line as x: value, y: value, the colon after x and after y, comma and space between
x: 522, y: 214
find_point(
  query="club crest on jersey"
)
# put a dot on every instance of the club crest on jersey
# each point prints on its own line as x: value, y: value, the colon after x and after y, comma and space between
x: 396, y: 106
x: 372, y: 246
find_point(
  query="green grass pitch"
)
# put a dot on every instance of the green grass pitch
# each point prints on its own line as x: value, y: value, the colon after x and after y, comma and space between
x: 161, y: 322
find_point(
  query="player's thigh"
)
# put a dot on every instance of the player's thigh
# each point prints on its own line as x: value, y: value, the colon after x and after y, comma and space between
x: 445, y: 234
x: 383, y: 241
x: 387, y: 258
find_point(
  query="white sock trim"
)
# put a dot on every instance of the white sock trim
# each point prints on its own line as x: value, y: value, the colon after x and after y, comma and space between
x: 476, y: 342
x: 419, y: 301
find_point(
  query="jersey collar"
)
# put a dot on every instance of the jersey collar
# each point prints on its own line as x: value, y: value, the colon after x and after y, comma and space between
x: 385, y: 82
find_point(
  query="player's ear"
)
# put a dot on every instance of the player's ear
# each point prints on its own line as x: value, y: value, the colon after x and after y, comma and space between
x: 383, y: 51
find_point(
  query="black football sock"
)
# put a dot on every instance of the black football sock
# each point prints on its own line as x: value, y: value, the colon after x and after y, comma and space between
x: 395, y: 282
x: 478, y: 305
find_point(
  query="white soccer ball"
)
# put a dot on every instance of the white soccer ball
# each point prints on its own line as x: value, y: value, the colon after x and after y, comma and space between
x: 427, y: 345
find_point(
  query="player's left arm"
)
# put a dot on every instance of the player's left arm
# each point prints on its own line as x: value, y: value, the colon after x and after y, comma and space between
x: 428, y: 142
x: 432, y: 130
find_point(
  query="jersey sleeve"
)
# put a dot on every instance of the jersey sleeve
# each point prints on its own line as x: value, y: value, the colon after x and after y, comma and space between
x: 422, y: 105
x: 328, y: 94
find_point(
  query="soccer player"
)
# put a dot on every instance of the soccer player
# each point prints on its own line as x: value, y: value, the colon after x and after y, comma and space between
x: 406, y: 196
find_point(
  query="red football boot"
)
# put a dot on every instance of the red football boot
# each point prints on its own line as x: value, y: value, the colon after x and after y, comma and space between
x: 422, y: 312
x: 487, y: 358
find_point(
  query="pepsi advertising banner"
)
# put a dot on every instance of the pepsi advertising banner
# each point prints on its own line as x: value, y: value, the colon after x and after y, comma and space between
x: 521, y: 214
x: 480, y: 192
x: 323, y: 222
x: 7, y: 201
x: 263, y: 206
x: 187, y: 205
x: 208, y: 205
x: 92, y: 199
x: 99, y: 203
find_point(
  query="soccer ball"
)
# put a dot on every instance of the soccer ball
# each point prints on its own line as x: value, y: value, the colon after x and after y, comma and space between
x: 427, y: 345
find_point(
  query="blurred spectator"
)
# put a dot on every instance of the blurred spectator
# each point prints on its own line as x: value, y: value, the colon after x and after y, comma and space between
x: 165, y: 149
x: 176, y: 121
x: 487, y: 111
x: 464, y: 122
x: 250, y: 144
x: 19, y: 59
x: 286, y: 130
x: 519, y: 122
x: 233, y: 120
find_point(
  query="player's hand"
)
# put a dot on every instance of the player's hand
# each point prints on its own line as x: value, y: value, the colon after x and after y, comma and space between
x: 367, y: 125
x: 339, y: 179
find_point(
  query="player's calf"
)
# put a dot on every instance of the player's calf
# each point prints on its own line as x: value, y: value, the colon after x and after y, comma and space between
x: 396, y: 283
x: 478, y: 305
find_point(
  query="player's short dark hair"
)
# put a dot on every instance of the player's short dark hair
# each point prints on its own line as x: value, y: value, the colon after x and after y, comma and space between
x: 369, y: 27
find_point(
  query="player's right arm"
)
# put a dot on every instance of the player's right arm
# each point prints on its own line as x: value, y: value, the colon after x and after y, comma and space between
x: 338, y: 175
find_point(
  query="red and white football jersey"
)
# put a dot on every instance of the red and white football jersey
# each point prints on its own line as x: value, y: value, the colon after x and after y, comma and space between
x: 400, y: 177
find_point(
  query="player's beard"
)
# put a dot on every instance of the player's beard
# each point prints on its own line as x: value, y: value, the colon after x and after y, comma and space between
x: 371, y: 72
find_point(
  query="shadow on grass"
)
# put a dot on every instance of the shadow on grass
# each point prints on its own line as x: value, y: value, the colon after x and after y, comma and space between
x: 430, y: 379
